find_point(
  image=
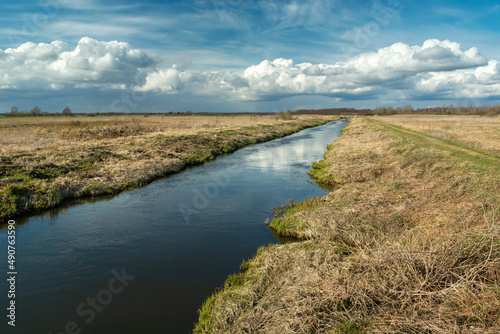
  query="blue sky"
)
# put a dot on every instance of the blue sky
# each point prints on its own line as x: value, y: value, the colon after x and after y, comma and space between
x: 235, y: 55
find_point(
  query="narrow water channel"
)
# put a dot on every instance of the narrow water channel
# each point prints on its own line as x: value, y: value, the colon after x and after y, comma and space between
x: 143, y: 261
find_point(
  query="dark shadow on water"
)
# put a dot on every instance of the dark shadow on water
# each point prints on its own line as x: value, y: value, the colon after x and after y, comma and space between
x: 53, y: 213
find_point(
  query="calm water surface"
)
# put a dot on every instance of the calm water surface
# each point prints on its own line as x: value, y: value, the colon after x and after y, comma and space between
x: 179, y: 238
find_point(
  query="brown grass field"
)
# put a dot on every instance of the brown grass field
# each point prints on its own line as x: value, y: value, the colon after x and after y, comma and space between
x: 44, y: 160
x: 478, y: 131
x: 28, y: 134
x: 408, y: 242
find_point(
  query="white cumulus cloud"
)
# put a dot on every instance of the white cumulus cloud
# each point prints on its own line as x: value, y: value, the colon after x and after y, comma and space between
x: 396, y: 67
x: 166, y: 81
x: 56, y: 64
x: 475, y: 83
x: 401, y: 60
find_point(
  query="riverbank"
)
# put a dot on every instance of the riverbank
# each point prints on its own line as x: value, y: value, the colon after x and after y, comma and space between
x: 44, y: 161
x: 409, y: 241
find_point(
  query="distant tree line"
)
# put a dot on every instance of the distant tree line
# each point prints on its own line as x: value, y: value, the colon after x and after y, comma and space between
x: 462, y: 110
x: 407, y: 109
x: 287, y: 114
x: 36, y: 111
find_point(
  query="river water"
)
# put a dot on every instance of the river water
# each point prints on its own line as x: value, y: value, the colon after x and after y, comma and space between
x: 144, y: 261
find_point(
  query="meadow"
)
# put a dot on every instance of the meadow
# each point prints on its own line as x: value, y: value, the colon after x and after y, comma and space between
x: 480, y: 132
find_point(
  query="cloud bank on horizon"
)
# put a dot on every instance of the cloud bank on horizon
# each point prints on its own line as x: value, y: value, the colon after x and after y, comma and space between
x: 433, y: 71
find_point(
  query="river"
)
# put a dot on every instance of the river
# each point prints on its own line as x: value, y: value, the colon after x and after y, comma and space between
x: 143, y: 261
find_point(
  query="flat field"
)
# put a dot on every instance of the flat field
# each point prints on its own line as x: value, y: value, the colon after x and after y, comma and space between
x: 479, y: 131
x: 44, y: 160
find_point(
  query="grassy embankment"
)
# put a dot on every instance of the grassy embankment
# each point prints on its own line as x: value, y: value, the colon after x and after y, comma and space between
x: 48, y: 159
x: 409, y: 242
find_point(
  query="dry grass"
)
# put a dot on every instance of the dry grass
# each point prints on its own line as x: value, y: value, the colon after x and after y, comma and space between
x: 56, y: 140
x: 408, y: 243
x: 480, y: 131
x: 37, y: 133
x: 44, y: 160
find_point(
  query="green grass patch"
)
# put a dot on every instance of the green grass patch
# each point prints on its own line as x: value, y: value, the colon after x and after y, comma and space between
x: 352, y: 328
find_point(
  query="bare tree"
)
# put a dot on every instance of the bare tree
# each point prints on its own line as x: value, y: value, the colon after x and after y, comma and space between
x: 67, y: 112
x: 36, y: 111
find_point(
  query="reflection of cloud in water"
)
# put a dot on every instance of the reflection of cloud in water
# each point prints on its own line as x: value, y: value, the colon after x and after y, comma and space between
x: 285, y: 157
